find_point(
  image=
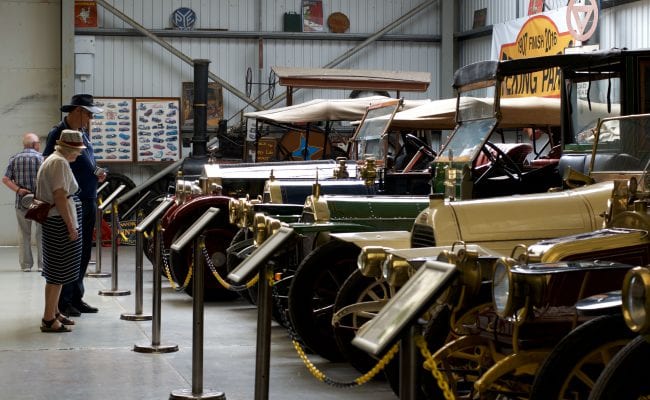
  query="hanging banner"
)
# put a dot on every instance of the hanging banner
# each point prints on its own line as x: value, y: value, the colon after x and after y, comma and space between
x: 538, y: 35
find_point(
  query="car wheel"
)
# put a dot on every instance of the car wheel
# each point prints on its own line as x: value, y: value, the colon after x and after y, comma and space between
x: 357, y: 288
x: 313, y: 292
x: 578, y: 359
x: 625, y: 377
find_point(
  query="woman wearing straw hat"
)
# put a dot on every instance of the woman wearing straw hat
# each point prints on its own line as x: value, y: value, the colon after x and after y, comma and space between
x: 56, y: 184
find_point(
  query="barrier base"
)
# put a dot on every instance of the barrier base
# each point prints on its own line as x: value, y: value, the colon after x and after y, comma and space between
x: 115, y: 292
x: 136, y: 317
x: 187, y: 394
x: 98, y: 274
x: 155, y: 348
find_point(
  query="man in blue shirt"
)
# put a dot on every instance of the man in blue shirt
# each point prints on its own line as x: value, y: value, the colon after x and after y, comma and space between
x: 80, y: 111
x: 20, y: 177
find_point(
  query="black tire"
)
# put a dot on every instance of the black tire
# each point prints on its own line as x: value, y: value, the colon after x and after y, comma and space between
x: 232, y: 262
x: 626, y: 376
x: 585, y: 350
x: 357, y: 288
x: 313, y: 292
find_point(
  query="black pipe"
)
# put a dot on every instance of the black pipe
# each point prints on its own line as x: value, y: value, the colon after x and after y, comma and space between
x: 193, y: 166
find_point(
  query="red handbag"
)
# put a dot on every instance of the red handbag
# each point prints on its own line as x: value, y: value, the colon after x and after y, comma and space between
x: 38, y: 210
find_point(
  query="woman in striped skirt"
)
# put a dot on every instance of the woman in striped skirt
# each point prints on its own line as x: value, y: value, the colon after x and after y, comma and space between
x: 62, y: 230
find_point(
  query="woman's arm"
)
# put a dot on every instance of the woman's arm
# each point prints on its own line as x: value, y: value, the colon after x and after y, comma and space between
x: 61, y: 203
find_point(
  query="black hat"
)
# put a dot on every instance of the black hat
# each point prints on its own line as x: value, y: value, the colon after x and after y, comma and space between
x: 82, y: 100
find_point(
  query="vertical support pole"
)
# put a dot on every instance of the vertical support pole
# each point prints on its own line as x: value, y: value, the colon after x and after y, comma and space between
x: 155, y: 346
x: 139, y: 258
x: 98, y: 247
x: 407, y: 365
x: 263, y: 345
x: 114, y: 233
x: 197, y: 333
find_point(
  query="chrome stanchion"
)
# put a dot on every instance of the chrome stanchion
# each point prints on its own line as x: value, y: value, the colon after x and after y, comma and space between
x: 139, y: 252
x: 114, y: 291
x: 260, y: 261
x: 192, y: 233
x: 98, y: 242
x: 155, y: 346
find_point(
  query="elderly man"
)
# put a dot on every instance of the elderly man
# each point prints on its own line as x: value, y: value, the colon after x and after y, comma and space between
x: 20, y: 177
x: 80, y: 111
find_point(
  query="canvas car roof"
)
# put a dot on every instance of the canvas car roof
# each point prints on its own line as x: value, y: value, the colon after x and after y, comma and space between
x: 337, y: 78
x: 516, y: 112
x: 483, y: 71
x: 325, y: 110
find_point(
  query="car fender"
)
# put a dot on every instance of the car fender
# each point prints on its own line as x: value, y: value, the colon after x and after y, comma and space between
x: 392, y: 239
x: 191, y: 211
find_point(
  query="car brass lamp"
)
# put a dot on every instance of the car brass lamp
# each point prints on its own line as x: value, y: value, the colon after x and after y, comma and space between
x: 514, y: 289
x: 396, y: 270
x: 471, y: 270
x: 636, y: 302
x: 259, y: 228
x: 370, y: 261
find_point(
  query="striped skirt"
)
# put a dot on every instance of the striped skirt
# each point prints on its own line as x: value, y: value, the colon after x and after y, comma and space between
x: 61, y: 256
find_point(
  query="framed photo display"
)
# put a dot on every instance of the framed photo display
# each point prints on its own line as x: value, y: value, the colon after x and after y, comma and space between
x: 111, y: 132
x: 158, y: 129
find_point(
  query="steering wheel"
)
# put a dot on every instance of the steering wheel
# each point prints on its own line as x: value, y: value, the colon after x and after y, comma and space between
x: 423, y: 150
x: 499, y: 162
x: 419, y: 144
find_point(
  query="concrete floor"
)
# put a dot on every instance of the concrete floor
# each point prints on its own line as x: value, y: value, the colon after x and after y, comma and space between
x: 96, y: 360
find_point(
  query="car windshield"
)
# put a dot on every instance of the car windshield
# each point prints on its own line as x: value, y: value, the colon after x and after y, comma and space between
x: 467, y: 140
x: 623, y: 144
x: 369, y: 134
x: 591, y: 101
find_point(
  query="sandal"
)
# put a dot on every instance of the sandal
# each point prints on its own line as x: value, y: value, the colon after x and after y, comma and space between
x: 47, y: 326
x: 64, y: 320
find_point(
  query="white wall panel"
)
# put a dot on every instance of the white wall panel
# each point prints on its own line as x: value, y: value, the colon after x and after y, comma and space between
x: 614, y: 21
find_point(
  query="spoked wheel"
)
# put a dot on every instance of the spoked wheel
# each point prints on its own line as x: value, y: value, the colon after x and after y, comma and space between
x: 241, y: 240
x: 626, y: 376
x: 575, y: 363
x: 313, y: 292
x: 358, y: 289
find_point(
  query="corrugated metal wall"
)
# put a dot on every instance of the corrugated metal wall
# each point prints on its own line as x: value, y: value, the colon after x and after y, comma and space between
x: 135, y: 66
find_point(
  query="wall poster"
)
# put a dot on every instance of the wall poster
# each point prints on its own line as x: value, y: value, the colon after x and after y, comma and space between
x: 111, y: 132
x: 312, y: 15
x: 158, y: 132
x: 214, y: 110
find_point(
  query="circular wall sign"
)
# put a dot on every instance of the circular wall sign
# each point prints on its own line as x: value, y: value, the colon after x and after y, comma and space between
x: 338, y: 22
x: 183, y: 18
x: 582, y: 19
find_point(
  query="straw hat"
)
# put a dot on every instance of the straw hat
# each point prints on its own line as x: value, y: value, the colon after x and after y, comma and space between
x: 71, y: 139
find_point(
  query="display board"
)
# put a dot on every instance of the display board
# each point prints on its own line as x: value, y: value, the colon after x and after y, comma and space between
x: 111, y: 132
x: 158, y: 129
x: 405, y: 307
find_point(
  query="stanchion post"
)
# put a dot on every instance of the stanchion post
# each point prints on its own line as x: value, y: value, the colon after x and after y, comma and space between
x: 98, y: 241
x: 154, y: 216
x: 114, y: 291
x: 263, y: 344
x: 197, y: 391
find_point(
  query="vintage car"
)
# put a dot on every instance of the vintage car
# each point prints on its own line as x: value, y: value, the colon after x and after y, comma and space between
x: 220, y: 183
x: 320, y: 267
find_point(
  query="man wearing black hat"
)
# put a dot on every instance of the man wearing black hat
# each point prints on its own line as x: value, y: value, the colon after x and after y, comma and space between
x: 80, y: 111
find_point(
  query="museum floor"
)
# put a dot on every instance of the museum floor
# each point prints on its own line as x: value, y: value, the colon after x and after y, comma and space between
x: 96, y: 360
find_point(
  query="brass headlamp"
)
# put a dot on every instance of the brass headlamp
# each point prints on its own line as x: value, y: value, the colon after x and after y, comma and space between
x: 396, y: 270
x: 370, y: 261
x: 636, y: 301
x: 513, y: 291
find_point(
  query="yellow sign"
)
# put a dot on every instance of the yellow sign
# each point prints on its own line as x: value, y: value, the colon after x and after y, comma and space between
x: 538, y: 37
